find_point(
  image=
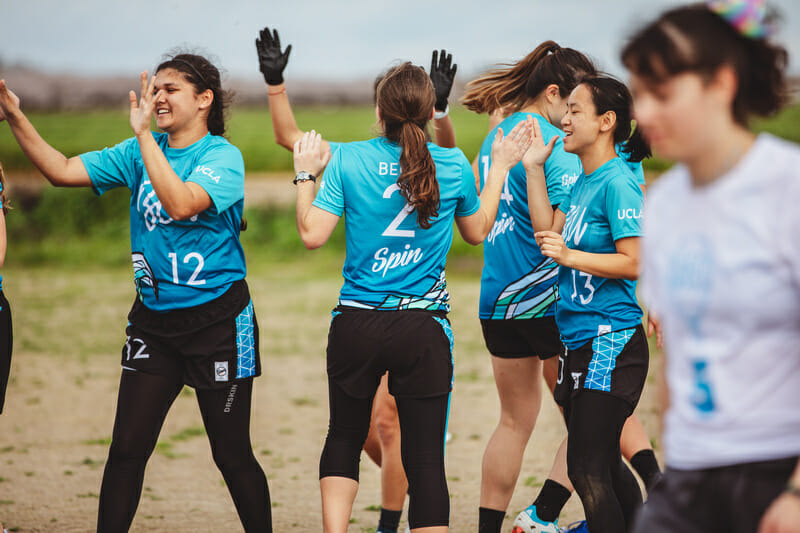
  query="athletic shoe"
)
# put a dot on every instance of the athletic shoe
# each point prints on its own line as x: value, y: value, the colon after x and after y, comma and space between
x: 576, y: 527
x: 529, y: 522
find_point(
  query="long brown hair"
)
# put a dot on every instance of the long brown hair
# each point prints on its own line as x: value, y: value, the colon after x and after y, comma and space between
x: 3, y: 197
x: 514, y: 84
x: 405, y: 102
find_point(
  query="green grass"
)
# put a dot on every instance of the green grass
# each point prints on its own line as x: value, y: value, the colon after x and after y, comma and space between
x: 250, y: 129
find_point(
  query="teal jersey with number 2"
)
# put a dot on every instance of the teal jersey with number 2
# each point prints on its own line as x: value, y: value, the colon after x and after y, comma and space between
x: 603, y: 207
x: 179, y: 263
x: 392, y: 263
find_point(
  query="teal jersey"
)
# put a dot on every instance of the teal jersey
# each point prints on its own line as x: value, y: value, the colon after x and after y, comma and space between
x: 635, y: 167
x: 391, y: 262
x: 603, y: 207
x: 517, y: 281
x: 179, y: 263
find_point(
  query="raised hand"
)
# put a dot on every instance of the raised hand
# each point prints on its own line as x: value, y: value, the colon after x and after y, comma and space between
x: 442, y: 74
x: 9, y: 102
x: 508, y: 151
x: 308, y: 154
x: 143, y: 110
x: 271, y: 61
x: 538, y: 152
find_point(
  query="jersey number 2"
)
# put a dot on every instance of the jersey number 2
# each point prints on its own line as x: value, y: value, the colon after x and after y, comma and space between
x: 391, y: 230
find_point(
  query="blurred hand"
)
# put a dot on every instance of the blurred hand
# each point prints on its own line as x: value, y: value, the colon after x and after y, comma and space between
x: 538, y: 153
x: 552, y: 245
x: 308, y: 154
x: 271, y: 61
x: 498, y: 115
x: 782, y: 516
x: 442, y: 75
x: 9, y: 102
x: 143, y: 110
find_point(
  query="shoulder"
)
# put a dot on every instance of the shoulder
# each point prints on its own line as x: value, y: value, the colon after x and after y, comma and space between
x: 667, y: 186
x: 777, y: 155
x: 446, y: 155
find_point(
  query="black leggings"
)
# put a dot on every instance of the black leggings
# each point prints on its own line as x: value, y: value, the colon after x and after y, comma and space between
x: 606, y: 486
x: 143, y: 403
x: 422, y: 429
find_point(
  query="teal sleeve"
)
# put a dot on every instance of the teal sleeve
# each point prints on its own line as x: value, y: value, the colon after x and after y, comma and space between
x: 110, y: 168
x: 624, y: 207
x: 469, y: 203
x: 220, y: 172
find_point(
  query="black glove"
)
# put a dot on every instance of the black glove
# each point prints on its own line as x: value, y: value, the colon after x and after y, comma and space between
x: 442, y: 76
x: 271, y: 61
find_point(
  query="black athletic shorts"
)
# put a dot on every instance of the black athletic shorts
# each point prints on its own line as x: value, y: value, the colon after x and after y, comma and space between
x: 415, y: 346
x: 727, y: 499
x: 516, y: 339
x: 6, y: 342
x: 615, y: 363
x: 206, y: 347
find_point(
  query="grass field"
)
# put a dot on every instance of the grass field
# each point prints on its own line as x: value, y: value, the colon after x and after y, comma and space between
x: 250, y: 129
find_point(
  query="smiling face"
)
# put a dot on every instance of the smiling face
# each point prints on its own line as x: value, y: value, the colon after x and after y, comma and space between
x: 580, y: 123
x: 179, y: 107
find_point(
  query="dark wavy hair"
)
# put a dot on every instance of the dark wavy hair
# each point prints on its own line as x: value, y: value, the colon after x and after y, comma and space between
x: 695, y: 39
x: 203, y: 75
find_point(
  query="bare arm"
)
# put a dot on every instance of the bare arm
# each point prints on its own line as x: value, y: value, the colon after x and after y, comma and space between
x: 179, y: 199
x: 506, y: 152
x: 543, y: 216
x: 59, y: 170
x: 624, y: 264
x: 315, y: 225
x: 783, y: 515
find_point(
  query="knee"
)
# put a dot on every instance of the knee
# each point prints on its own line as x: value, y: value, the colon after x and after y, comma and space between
x: 129, y: 451
x: 342, y: 452
x: 388, y: 426
x: 519, y: 419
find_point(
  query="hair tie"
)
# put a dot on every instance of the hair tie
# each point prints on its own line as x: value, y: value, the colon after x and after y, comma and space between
x: 748, y: 17
x: 194, y: 69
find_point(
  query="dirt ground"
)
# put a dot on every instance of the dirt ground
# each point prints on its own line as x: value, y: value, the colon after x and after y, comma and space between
x: 57, y: 421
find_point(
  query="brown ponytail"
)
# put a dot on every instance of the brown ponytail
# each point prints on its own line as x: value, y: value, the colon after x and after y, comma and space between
x: 3, y: 197
x: 517, y: 83
x: 405, y: 102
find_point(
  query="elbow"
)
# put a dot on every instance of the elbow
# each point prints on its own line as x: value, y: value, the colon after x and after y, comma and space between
x: 179, y: 212
x: 310, y: 240
x: 475, y: 239
x: 632, y: 273
x: 286, y: 142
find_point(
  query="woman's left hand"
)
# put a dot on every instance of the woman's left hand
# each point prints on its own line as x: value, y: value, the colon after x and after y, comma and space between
x: 143, y: 110
x: 552, y: 245
x: 308, y: 154
x: 508, y: 150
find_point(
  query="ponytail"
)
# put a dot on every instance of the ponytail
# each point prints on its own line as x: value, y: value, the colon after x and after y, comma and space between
x: 3, y: 197
x: 515, y: 84
x: 405, y: 102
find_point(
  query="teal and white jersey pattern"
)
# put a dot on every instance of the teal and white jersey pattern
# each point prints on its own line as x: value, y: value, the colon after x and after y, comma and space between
x: 245, y: 343
x: 518, y: 282
x: 605, y: 350
x: 603, y: 207
x: 392, y: 263
x: 179, y: 263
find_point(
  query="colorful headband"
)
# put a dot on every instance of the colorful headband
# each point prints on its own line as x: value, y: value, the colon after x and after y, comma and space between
x: 748, y: 17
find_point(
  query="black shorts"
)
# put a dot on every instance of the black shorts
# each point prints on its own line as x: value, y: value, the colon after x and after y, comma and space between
x: 6, y: 343
x: 414, y: 346
x: 206, y: 347
x: 728, y: 499
x: 515, y: 339
x: 615, y: 363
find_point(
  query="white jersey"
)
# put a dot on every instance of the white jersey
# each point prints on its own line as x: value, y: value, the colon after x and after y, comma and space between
x: 722, y: 270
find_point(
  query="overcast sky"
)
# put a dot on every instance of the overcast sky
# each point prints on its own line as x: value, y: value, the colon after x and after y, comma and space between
x: 331, y: 40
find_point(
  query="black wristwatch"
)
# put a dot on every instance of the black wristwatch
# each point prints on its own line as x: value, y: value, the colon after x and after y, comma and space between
x: 304, y: 176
